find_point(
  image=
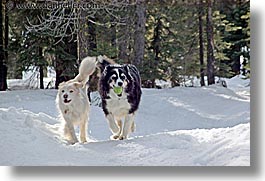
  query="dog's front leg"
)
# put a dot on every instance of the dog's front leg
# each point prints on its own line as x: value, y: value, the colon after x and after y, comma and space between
x: 127, y: 128
x: 69, y: 132
x: 117, y: 135
x: 112, y: 124
x: 83, y: 129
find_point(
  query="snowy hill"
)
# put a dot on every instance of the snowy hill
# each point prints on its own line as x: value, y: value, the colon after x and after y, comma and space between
x: 179, y: 126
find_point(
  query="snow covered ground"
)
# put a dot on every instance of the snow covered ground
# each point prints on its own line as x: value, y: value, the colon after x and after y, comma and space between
x: 174, y: 127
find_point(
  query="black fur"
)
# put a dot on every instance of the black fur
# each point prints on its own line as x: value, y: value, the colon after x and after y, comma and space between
x: 133, y: 88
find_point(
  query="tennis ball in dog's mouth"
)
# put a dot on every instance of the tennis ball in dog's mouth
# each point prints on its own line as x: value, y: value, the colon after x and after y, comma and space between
x: 117, y: 90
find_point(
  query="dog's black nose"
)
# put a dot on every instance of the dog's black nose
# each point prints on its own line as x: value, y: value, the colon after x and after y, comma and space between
x: 65, y: 96
x: 120, y: 84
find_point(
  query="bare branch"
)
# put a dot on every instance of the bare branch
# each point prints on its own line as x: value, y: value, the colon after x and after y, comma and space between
x: 64, y: 22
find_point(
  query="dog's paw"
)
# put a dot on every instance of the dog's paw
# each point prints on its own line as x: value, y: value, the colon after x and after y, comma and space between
x: 83, y: 140
x: 122, y: 137
x: 72, y: 142
x: 114, y: 137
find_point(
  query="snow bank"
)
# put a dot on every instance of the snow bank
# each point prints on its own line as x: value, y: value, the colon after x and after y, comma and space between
x: 28, y: 139
x: 240, y: 86
x: 31, y: 80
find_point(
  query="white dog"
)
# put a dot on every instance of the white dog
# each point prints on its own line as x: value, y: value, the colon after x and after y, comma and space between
x: 73, y: 103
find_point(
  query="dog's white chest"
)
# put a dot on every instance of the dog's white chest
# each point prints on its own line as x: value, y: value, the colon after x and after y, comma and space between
x: 118, y: 106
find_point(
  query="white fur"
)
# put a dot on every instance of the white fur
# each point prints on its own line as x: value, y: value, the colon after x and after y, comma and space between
x: 87, y: 67
x: 119, y: 108
x: 74, y: 109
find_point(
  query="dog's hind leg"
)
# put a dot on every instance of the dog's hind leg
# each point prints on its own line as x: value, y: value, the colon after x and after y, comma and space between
x: 133, y: 127
x: 83, y: 129
x: 69, y: 132
x: 127, y: 128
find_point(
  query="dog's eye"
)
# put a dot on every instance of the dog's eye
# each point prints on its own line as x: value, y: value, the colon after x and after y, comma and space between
x: 122, y: 77
x: 71, y: 91
x: 113, y: 78
x: 62, y: 91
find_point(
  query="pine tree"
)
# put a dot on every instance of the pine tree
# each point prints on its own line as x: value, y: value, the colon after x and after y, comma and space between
x: 222, y: 62
x: 238, y: 35
x: 171, y: 43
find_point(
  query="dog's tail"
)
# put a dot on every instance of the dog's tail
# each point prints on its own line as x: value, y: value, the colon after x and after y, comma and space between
x: 104, y: 61
x: 86, y: 68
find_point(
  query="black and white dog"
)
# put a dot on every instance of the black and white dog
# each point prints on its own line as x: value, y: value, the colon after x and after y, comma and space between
x: 122, y: 103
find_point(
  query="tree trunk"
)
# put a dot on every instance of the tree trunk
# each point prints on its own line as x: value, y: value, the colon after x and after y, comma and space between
x: 113, y: 37
x: 41, y: 77
x: 82, y: 38
x: 139, y: 35
x: 3, y: 67
x: 210, y: 44
x: 58, y: 72
x: 41, y: 70
x: 92, y: 38
x: 201, y: 44
x: 123, y: 42
x: 92, y: 49
x: 236, y: 61
x: 156, y: 46
x: 6, y: 34
x: 59, y: 68
x: 157, y: 40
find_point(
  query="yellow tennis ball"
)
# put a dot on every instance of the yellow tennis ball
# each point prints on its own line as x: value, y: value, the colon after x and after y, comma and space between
x: 117, y: 90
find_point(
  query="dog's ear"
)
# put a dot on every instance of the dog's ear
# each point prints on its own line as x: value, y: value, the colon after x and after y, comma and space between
x: 61, y: 84
x: 78, y: 84
x: 106, y: 70
x: 103, y: 62
x: 128, y: 72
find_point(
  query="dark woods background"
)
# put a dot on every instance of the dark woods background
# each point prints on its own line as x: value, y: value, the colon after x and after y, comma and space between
x: 168, y: 40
